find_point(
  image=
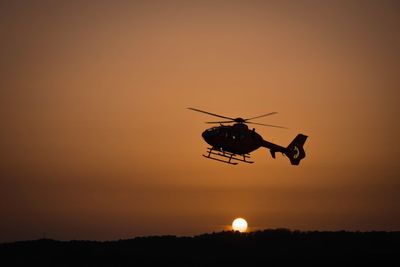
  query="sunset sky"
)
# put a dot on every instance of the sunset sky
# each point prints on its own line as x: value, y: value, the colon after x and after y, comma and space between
x: 97, y: 141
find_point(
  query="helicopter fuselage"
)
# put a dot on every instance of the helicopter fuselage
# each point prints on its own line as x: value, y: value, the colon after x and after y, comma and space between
x: 237, y: 138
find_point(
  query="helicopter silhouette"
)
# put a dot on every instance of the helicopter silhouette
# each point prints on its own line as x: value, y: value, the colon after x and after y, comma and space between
x: 231, y: 143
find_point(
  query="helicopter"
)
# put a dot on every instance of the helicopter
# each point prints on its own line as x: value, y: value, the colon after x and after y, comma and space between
x: 234, y: 143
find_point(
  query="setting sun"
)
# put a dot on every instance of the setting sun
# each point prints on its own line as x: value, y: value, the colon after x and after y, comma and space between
x: 239, y: 224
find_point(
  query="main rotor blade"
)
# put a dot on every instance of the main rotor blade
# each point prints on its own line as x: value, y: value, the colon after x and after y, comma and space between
x: 219, y: 121
x: 269, y: 125
x: 268, y: 114
x: 209, y: 113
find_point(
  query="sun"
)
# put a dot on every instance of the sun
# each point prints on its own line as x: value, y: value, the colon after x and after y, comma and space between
x: 239, y: 224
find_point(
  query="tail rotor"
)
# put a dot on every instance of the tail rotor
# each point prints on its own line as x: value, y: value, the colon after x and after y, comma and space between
x: 295, y: 151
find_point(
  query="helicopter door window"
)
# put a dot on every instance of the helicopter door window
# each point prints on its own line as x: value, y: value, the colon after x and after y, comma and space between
x: 235, y: 136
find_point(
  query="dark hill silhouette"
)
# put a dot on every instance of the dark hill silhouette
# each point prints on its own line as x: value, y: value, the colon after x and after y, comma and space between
x: 280, y: 247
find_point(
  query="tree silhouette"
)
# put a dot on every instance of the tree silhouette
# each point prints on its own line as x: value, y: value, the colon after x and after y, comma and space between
x: 279, y: 247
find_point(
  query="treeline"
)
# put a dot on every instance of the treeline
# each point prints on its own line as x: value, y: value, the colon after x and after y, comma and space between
x: 279, y: 247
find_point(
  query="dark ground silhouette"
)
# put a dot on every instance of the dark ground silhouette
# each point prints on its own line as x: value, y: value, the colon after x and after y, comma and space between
x: 280, y: 247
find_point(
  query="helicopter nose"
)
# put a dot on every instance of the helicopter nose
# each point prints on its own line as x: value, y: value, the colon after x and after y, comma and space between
x: 208, y: 136
x: 205, y: 135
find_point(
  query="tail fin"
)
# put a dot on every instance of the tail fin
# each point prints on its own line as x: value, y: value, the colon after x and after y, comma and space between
x: 295, y: 150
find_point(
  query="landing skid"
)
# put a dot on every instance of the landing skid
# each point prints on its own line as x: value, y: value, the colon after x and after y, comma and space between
x: 228, y: 155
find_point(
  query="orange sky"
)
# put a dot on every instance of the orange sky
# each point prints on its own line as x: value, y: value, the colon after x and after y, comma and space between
x: 97, y: 143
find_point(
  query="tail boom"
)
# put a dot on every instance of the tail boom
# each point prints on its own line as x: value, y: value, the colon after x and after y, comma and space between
x: 294, y: 151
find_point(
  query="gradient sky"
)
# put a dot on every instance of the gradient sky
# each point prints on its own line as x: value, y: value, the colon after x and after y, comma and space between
x: 97, y: 143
